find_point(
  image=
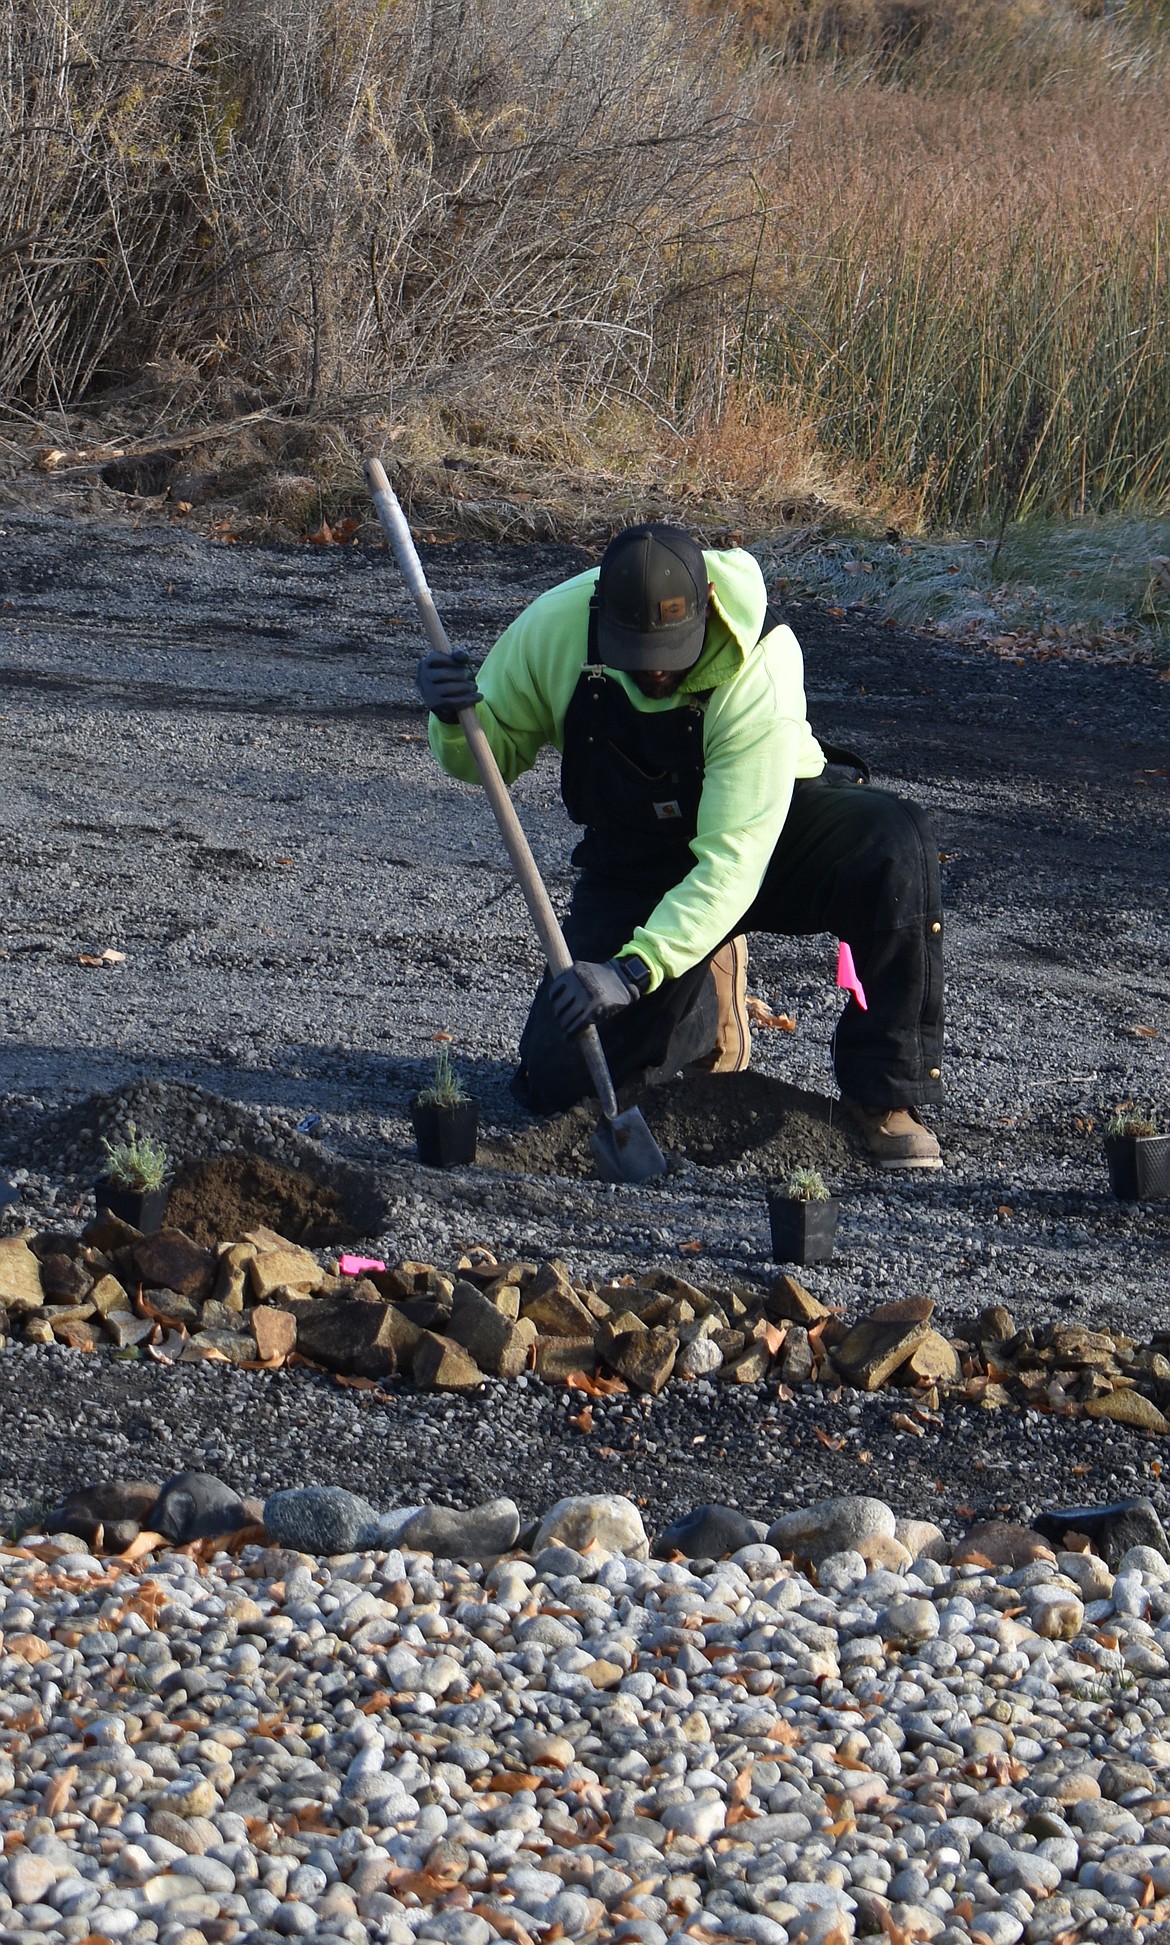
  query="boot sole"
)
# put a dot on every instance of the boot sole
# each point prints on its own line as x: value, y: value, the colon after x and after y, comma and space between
x: 891, y: 1162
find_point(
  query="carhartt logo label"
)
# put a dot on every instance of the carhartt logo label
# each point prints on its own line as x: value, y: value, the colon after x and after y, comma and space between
x: 669, y: 810
x: 673, y: 610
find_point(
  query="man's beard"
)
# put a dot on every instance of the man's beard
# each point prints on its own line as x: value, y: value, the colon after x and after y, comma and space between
x: 658, y: 683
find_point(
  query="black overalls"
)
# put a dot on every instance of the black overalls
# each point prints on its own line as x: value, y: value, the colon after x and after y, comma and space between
x: 852, y: 861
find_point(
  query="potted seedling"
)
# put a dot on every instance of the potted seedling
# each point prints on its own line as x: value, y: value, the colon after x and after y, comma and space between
x: 1138, y: 1156
x: 803, y: 1216
x: 133, y: 1184
x: 445, y: 1119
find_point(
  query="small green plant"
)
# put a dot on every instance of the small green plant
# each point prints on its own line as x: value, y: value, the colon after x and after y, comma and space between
x: 806, y: 1185
x: 444, y: 1090
x: 138, y: 1163
x: 1132, y: 1122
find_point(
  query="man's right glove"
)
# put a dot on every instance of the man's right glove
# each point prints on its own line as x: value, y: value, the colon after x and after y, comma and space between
x: 447, y: 684
x: 589, y: 991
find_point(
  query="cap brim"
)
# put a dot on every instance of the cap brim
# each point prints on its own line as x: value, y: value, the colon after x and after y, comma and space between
x: 636, y: 653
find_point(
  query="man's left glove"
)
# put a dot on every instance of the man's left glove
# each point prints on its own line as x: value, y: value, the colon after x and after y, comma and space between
x: 588, y: 992
x: 447, y: 683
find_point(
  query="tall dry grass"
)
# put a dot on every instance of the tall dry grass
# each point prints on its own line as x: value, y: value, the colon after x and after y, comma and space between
x: 966, y: 295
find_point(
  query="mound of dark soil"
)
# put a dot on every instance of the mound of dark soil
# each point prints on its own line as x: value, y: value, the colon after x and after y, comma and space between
x: 710, y: 1119
x: 230, y: 1194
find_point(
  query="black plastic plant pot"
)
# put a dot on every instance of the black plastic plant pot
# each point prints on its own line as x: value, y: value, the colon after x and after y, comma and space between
x: 144, y: 1209
x: 1139, y: 1167
x: 802, y: 1232
x: 445, y: 1135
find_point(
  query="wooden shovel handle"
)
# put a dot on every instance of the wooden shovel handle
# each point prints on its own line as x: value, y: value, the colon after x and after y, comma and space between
x: 548, y: 929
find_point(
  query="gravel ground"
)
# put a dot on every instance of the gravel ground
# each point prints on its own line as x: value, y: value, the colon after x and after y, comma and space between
x: 216, y: 766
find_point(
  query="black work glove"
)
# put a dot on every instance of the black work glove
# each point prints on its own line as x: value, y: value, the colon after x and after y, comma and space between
x: 446, y: 683
x: 588, y: 992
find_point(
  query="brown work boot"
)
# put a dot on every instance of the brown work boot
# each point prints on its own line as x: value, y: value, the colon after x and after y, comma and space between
x: 732, y: 1051
x: 895, y: 1137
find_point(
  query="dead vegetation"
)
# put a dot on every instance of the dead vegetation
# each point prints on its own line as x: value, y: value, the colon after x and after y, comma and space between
x: 888, y: 260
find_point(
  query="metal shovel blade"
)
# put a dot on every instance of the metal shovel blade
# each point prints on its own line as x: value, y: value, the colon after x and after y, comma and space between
x: 624, y: 1150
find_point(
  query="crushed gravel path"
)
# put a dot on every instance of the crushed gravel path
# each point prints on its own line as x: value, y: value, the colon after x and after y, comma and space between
x: 215, y: 765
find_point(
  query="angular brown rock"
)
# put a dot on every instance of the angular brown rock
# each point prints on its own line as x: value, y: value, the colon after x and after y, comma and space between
x: 934, y: 1361
x: 677, y: 1289
x: 231, y: 1278
x: 233, y: 1346
x: 871, y: 1352
x: 796, y: 1357
x: 169, y: 1260
x: 994, y: 1325
x: 108, y: 1294
x: 274, y: 1330
x: 290, y: 1268
x: 1075, y: 1345
x: 125, y: 1329
x: 172, y: 1308
x: 21, y: 1289
x: 1129, y: 1408
x: 556, y: 1310
x: 903, y: 1310
x: 749, y: 1367
x: 556, y: 1358
x: 63, y: 1280
x: 498, y: 1344
x: 221, y: 1316
x: 440, y: 1364
x: 788, y: 1302
x: 357, y: 1339
x: 120, y: 1503
x: 1001, y: 1543
x: 645, y: 1358
x: 78, y: 1333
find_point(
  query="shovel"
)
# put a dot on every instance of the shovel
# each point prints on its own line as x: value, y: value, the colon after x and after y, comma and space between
x: 623, y: 1149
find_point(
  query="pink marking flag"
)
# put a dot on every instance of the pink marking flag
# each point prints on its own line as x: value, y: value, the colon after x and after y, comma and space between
x: 358, y: 1265
x: 847, y: 976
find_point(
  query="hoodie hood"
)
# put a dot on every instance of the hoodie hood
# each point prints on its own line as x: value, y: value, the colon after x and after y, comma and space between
x: 738, y: 605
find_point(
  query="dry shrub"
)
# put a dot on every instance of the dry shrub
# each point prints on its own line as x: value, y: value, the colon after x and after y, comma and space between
x: 353, y: 196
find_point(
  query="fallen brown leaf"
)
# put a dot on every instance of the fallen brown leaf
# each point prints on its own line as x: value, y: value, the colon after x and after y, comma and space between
x: 596, y: 1386
x: 426, y: 1885
x: 503, y: 1924
x: 584, y: 1419
x: 107, y: 958
x: 142, y: 1544
x: 761, y: 1015
x: 56, y: 1798
x: 29, y: 1648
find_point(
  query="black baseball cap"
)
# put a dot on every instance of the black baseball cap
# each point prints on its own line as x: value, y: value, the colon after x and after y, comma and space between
x: 651, y: 600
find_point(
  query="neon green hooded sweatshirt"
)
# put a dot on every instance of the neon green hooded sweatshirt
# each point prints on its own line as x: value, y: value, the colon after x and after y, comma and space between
x: 756, y: 741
